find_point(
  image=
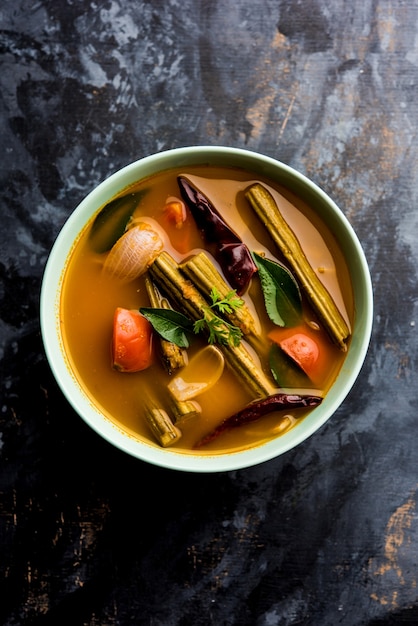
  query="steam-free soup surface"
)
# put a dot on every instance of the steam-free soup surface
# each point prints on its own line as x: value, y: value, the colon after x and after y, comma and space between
x: 90, y: 297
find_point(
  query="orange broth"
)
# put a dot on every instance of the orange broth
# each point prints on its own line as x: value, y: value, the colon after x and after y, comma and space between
x: 90, y: 297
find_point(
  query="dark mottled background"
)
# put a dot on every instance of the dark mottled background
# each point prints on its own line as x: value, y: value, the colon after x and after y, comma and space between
x: 326, y: 534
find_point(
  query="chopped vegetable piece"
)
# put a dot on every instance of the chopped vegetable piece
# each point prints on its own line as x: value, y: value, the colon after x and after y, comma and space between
x: 259, y: 408
x: 202, y: 271
x: 308, y: 350
x: 285, y: 371
x: 302, y: 349
x: 111, y: 221
x: 186, y: 391
x: 179, y: 225
x: 175, y: 212
x: 161, y: 425
x: 280, y: 290
x: 132, y: 341
x: 183, y: 294
x: 133, y: 252
x: 184, y: 410
x: 231, y: 253
x: 267, y: 210
x: 200, y: 374
x: 172, y: 355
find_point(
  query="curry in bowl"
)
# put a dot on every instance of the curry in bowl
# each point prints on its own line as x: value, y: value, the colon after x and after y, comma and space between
x: 206, y: 309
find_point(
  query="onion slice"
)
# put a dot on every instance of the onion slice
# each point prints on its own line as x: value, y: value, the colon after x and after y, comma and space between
x: 134, y: 252
x: 200, y: 374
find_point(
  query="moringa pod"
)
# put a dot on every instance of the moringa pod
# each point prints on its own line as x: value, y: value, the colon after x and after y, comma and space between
x: 267, y: 210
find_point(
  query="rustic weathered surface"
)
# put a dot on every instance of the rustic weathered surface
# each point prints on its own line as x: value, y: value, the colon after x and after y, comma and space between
x: 326, y: 534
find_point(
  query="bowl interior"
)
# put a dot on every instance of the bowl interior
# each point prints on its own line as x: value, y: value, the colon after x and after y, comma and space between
x: 202, y: 155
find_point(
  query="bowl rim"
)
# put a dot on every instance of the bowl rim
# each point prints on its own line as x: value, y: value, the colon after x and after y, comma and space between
x: 110, y: 431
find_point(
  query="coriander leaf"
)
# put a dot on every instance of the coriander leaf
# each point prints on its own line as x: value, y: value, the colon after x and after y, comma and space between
x: 170, y: 325
x: 230, y: 303
x: 219, y: 330
x: 199, y: 325
x: 235, y: 335
x: 215, y: 296
x: 280, y: 290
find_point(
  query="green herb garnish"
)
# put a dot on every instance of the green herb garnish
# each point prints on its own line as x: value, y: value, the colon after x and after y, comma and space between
x: 170, y: 325
x: 175, y: 327
x: 280, y: 290
x: 285, y: 371
x: 230, y: 303
x: 110, y: 223
x: 220, y: 331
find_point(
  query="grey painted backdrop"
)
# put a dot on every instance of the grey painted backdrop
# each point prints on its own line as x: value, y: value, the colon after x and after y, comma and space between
x: 326, y: 534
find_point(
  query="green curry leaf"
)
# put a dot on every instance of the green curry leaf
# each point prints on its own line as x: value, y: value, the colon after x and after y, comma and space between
x: 285, y: 371
x: 170, y: 325
x: 110, y: 223
x: 281, y: 292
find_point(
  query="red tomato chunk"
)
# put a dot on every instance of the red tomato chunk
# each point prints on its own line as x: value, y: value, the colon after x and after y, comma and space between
x: 132, y: 341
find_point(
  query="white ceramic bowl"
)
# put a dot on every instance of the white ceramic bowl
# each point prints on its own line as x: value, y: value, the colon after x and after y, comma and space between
x: 223, y: 156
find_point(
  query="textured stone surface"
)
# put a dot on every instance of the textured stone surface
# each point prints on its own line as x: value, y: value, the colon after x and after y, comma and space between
x: 326, y: 534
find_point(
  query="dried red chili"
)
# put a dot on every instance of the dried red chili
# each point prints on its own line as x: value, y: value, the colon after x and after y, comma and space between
x: 258, y: 408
